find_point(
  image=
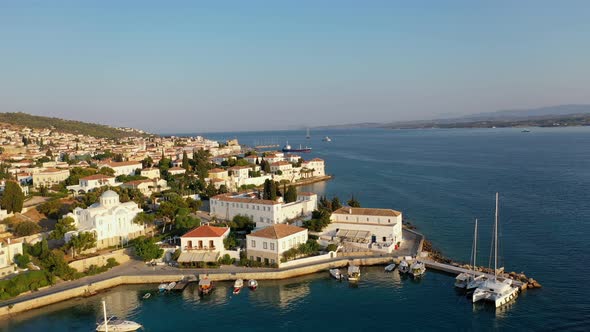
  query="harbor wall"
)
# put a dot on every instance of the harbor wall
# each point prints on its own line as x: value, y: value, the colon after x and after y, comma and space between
x: 308, y: 260
x: 121, y: 256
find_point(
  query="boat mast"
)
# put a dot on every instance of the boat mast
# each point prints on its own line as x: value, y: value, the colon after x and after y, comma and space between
x: 474, y: 247
x: 104, y: 311
x: 496, y: 241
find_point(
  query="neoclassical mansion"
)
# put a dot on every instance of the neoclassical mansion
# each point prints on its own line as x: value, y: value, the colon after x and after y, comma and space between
x: 111, y: 220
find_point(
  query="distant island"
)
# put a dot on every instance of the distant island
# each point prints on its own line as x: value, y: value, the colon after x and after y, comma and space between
x: 68, y: 126
x: 552, y: 116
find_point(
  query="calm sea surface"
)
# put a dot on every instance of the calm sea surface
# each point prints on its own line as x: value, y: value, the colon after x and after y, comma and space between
x: 441, y: 180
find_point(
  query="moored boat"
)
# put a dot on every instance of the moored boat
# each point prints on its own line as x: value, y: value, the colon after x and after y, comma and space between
x: 162, y: 287
x: 335, y: 273
x: 390, y: 267
x: 327, y: 139
x: 114, y: 324
x: 252, y: 284
x: 417, y: 269
x: 354, y: 273
x: 467, y: 280
x: 403, y: 267
x: 238, y: 286
x: 147, y: 296
x: 205, y: 286
x: 170, y: 286
x: 289, y: 148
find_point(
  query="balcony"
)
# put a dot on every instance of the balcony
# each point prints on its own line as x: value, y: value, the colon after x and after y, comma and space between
x: 202, y: 248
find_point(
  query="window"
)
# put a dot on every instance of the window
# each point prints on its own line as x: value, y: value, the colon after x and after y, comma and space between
x: 367, y: 218
x: 253, y: 244
x: 272, y: 247
x: 284, y: 244
x: 264, y: 245
x: 389, y: 220
x: 272, y: 261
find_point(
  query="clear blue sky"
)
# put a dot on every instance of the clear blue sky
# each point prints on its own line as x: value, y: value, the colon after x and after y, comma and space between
x: 176, y: 66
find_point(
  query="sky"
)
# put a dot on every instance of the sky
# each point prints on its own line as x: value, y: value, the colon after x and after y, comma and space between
x: 192, y: 66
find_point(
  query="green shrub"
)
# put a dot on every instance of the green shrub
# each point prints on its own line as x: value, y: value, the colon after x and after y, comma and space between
x: 22, y: 260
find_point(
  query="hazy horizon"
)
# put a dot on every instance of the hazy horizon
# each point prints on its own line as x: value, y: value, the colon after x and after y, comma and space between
x: 188, y: 67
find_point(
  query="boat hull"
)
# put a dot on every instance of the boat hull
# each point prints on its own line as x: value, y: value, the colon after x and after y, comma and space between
x: 127, y: 326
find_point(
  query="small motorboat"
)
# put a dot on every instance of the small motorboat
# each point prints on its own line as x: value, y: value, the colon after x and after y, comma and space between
x: 354, y: 273
x: 162, y: 287
x: 390, y: 267
x: 327, y: 139
x: 205, y: 286
x: 238, y: 286
x: 252, y: 284
x: 417, y: 269
x: 336, y: 274
x: 147, y: 296
x: 114, y: 324
x: 403, y: 267
x: 170, y: 286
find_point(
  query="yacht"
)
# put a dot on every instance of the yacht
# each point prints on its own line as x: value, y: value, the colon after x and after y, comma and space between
x: 327, y: 139
x: 403, y: 267
x: 114, y: 324
x: 354, y: 273
x: 417, y: 269
x: 238, y: 286
x: 468, y: 280
x: 496, y: 289
x: 252, y: 284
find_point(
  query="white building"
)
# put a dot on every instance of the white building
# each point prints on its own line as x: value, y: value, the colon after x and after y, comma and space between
x: 109, y: 219
x: 262, y: 212
x: 150, y: 173
x: 123, y: 167
x: 49, y: 177
x: 314, y: 167
x: 268, y: 245
x: 375, y: 229
x: 92, y: 182
x: 176, y: 170
x: 8, y: 250
x: 147, y: 186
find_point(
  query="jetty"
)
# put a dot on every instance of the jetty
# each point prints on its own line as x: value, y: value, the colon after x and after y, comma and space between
x: 181, y: 285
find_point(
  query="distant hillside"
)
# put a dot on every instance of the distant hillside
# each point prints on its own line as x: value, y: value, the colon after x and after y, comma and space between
x: 558, y: 110
x: 67, y: 126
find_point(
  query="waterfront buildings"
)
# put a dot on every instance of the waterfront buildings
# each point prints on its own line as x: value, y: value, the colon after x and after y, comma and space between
x: 263, y: 212
x: 268, y: 244
x: 373, y: 229
x: 109, y: 219
x: 203, y: 244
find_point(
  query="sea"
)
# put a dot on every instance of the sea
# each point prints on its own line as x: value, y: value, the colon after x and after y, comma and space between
x: 441, y: 180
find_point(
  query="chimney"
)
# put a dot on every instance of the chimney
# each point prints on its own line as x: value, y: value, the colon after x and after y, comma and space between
x: 349, y: 210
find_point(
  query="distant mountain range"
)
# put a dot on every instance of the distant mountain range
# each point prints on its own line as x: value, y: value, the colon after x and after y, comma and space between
x: 551, y: 116
x: 67, y: 126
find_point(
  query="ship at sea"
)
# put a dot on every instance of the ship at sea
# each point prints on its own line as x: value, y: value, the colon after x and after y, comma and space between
x: 289, y: 148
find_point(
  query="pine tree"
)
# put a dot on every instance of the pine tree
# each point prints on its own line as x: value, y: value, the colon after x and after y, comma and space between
x: 291, y: 194
x: 185, y: 161
x: 13, y: 197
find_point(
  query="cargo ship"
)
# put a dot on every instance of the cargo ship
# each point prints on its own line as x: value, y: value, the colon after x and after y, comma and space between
x: 288, y: 148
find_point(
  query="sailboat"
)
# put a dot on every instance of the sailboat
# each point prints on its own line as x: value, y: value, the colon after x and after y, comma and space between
x: 496, y: 289
x: 468, y: 280
x: 308, y: 136
x: 114, y: 324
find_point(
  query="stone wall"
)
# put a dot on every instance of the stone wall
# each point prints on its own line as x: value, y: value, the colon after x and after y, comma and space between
x: 121, y: 256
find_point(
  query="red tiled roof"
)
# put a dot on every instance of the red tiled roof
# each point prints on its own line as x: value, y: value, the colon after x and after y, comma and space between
x: 278, y: 231
x: 217, y: 170
x: 97, y: 177
x: 367, y: 212
x: 123, y: 163
x: 207, y: 231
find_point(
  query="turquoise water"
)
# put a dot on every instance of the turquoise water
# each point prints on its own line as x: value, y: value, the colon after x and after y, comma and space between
x: 441, y: 180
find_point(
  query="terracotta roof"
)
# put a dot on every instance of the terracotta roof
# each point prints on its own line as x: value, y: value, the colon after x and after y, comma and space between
x: 226, y: 198
x: 138, y: 182
x: 317, y: 159
x: 176, y: 169
x: 239, y: 167
x: 280, y: 163
x: 97, y: 177
x: 367, y: 212
x: 123, y: 163
x: 278, y: 231
x: 207, y: 231
x: 217, y: 170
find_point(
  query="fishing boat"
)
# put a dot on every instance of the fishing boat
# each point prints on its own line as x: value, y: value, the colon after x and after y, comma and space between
x: 238, y: 286
x: 354, y: 273
x: 417, y: 269
x: 335, y: 273
x: 497, y: 290
x: 205, y: 286
x: 162, y: 287
x: 526, y: 131
x: 170, y: 286
x: 390, y: 267
x: 147, y: 296
x: 114, y: 324
x: 252, y: 284
x: 403, y: 267
x: 289, y: 148
x: 463, y: 280
x: 327, y: 139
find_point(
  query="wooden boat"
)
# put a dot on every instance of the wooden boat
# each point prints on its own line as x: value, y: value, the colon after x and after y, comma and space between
x: 417, y: 269
x: 335, y: 273
x: 205, y: 286
x: 252, y: 284
x: 354, y: 273
x: 390, y: 267
x: 238, y: 286
x: 403, y: 267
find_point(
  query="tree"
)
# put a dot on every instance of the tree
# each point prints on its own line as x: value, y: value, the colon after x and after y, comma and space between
x: 211, y: 190
x: 147, y: 249
x: 242, y: 223
x: 352, y: 202
x: 325, y: 204
x: 143, y: 218
x: 52, y: 209
x: 49, y: 153
x: 106, y: 171
x: 336, y: 203
x: 22, y: 260
x: 13, y: 197
x: 291, y: 194
x: 62, y: 226
x: 185, y: 163
x: 185, y: 221
x: 82, y: 241
x: 26, y: 228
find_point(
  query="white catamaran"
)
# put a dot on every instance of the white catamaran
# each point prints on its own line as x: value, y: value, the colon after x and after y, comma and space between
x: 497, y: 289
